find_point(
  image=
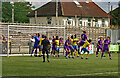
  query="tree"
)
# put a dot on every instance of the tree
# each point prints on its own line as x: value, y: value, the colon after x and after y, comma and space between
x: 116, y: 16
x: 21, y: 10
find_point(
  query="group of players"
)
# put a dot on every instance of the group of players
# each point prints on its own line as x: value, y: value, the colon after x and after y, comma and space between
x: 72, y: 46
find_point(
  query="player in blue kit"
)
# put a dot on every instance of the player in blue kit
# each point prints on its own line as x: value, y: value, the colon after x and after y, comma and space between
x: 35, y: 44
x: 53, y: 46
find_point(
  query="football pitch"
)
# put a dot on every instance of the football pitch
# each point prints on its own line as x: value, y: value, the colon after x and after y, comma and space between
x: 33, y: 66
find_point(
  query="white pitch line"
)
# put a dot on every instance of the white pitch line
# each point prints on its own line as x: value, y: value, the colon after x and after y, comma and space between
x: 95, y: 74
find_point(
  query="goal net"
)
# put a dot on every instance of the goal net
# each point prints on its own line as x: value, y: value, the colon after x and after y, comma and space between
x: 18, y: 38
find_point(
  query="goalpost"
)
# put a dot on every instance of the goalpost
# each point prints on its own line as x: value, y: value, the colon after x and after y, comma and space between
x: 20, y: 35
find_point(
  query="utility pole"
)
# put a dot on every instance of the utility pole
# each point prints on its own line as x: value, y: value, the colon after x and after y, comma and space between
x: 12, y: 3
x: 35, y: 17
x: 56, y: 12
x: 12, y: 15
x: 108, y: 13
x: 111, y: 15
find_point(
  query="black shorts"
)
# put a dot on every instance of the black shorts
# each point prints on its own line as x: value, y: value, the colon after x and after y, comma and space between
x: 45, y: 50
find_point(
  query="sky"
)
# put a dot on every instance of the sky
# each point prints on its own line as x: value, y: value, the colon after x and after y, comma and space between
x: 102, y: 3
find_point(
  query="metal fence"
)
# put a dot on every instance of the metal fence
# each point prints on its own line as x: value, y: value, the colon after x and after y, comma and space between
x: 113, y: 34
x: 19, y: 38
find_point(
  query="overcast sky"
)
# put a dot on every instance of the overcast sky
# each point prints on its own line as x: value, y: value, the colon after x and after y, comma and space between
x: 102, y: 3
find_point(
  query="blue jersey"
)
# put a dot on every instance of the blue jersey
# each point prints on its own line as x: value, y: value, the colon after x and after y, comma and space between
x: 53, y: 40
x: 36, y: 40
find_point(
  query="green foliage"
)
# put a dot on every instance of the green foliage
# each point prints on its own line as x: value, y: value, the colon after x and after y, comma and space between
x: 21, y: 9
x: 116, y: 16
x: 6, y: 12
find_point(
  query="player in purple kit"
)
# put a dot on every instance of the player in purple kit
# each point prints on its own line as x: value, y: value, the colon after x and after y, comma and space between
x: 99, y: 46
x: 82, y: 40
x: 106, y: 47
x: 53, y: 45
x: 66, y: 47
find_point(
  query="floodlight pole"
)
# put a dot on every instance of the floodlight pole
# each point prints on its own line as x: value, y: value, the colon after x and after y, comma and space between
x: 56, y: 12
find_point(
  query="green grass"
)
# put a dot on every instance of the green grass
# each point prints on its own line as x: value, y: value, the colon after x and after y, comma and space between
x: 33, y: 66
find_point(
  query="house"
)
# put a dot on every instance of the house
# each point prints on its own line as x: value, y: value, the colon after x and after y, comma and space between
x: 73, y: 13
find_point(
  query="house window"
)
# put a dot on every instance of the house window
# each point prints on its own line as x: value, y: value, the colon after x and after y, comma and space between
x: 96, y: 22
x: 69, y: 20
x: 96, y: 19
x: 49, y: 20
x: 89, y: 21
x: 80, y: 21
x: 103, y: 22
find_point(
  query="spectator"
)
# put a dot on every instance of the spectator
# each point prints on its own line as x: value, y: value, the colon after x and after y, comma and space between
x: 61, y: 40
x: 50, y: 40
x: 118, y: 42
x: 4, y: 44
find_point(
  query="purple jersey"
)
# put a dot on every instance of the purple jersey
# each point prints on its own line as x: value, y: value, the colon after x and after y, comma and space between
x: 108, y: 42
x: 100, y: 43
x: 39, y: 38
x: 53, y: 40
x: 84, y: 37
x: 61, y: 41
x: 67, y: 42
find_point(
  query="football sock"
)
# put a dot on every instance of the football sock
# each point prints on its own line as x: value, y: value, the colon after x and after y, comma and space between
x: 83, y: 54
x: 43, y: 57
x: 69, y: 54
x: 47, y: 56
x: 40, y: 53
x: 96, y: 53
x: 72, y: 53
x: 32, y: 52
x: 87, y: 55
x: 77, y: 53
x: 36, y: 52
x: 109, y: 54
x: 66, y: 53
x: 102, y: 55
